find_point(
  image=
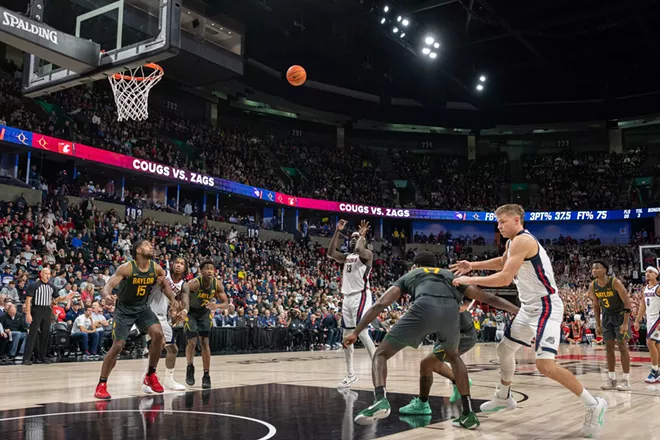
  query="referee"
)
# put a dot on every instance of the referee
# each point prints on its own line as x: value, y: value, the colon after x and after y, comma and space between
x: 40, y: 296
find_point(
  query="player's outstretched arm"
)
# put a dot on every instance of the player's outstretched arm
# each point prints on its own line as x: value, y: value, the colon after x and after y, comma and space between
x: 122, y: 272
x: 389, y: 297
x: 365, y: 254
x: 474, y: 292
x: 518, y: 251
x: 332, y: 247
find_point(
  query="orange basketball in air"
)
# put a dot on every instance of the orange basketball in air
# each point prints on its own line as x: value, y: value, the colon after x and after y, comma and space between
x: 296, y: 75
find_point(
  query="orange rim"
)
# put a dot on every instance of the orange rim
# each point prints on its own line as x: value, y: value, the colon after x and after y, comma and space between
x: 153, y: 66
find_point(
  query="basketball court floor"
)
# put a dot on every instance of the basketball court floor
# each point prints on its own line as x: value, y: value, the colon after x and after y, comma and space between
x: 293, y: 395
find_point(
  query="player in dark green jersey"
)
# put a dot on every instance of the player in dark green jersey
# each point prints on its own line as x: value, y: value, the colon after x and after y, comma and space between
x: 198, y: 297
x: 435, y: 310
x: 610, y: 298
x: 435, y: 362
x: 134, y: 281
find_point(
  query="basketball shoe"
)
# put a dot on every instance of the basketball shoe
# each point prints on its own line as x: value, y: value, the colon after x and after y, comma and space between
x: 151, y: 385
x: 170, y: 383
x: 416, y: 407
x: 652, y: 377
x: 348, y: 380
x: 102, y: 391
x: 624, y: 385
x: 609, y: 385
x: 498, y: 403
x: 594, y: 418
x: 469, y: 421
x: 380, y: 409
x: 455, y: 394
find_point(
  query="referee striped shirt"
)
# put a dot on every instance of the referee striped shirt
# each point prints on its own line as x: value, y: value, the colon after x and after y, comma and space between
x: 42, y: 293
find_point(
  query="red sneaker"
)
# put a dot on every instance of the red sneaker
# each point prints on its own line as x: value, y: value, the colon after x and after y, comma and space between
x: 151, y: 384
x: 102, y: 391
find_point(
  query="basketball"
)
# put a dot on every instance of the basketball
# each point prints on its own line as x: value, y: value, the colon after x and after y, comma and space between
x: 296, y: 75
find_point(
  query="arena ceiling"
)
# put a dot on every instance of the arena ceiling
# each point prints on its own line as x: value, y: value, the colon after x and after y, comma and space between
x: 597, y: 53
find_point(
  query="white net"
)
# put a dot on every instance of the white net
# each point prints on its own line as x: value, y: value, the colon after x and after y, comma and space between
x: 131, y: 89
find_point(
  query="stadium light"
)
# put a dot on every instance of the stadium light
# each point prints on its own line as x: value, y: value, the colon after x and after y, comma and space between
x: 436, y: 45
x: 403, y: 34
x: 382, y: 21
x: 398, y: 18
x: 480, y: 87
x: 405, y: 22
x: 482, y: 78
x: 433, y: 55
x: 395, y: 30
x: 426, y: 51
x: 429, y: 40
x: 386, y: 8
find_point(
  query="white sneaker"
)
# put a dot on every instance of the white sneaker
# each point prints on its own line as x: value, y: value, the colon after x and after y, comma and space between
x: 594, y: 419
x: 146, y: 389
x: 609, y: 385
x: 348, y: 381
x: 172, y: 385
x: 624, y: 385
x: 499, y: 404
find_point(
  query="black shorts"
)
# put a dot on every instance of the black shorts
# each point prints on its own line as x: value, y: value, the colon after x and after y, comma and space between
x: 468, y: 340
x: 428, y: 315
x: 126, y: 316
x: 199, y: 323
x: 611, y: 325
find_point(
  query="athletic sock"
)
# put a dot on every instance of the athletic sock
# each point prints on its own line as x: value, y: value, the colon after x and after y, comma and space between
x: 380, y: 393
x: 206, y: 372
x: 588, y: 399
x: 611, y: 375
x: 103, y: 380
x: 467, y: 404
x: 151, y: 370
x: 504, y: 391
x: 626, y: 376
x: 654, y: 367
x: 169, y: 372
x: 424, y: 399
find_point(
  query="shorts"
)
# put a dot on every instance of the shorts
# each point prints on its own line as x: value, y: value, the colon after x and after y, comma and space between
x: 353, y: 308
x: 125, y: 317
x: 539, y: 322
x: 428, y: 315
x: 653, y: 328
x: 468, y: 340
x: 198, y: 323
x: 611, y: 325
x: 168, y: 333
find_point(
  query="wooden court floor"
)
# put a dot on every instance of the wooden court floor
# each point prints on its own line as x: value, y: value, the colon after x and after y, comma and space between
x: 294, y: 392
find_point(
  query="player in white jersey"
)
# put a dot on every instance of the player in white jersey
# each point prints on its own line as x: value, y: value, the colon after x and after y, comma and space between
x: 355, y: 289
x: 651, y: 308
x: 159, y: 305
x: 526, y: 263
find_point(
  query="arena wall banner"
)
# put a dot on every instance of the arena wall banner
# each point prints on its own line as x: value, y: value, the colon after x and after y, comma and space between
x: 80, y: 151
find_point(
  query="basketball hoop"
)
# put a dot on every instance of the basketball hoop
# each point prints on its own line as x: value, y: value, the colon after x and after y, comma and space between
x: 131, y: 89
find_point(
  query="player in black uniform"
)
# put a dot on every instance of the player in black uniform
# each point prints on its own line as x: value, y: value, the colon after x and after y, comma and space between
x: 435, y: 362
x: 197, y: 296
x: 135, y: 280
x: 610, y: 297
x: 435, y: 311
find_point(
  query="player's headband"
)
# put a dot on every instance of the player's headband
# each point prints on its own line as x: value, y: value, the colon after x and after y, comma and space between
x: 653, y: 269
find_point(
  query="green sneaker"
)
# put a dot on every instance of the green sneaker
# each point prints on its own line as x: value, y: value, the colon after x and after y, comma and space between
x: 467, y: 422
x: 416, y: 408
x: 416, y: 421
x: 455, y: 395
x: 378, y: 410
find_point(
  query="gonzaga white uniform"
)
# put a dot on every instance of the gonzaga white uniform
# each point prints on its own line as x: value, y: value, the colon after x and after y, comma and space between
x: 541, y: 308
x: 356, y: 290
x: 652, y: 312
x: 159, y: 304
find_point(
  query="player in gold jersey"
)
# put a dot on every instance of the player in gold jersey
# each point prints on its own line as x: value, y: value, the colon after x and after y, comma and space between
x: 134, y: 281
x: 198, y: 300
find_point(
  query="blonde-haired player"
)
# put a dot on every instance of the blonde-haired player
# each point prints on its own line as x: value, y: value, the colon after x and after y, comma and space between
x: 356, y: 290
x: 526, y: 263
x: 651, y: 308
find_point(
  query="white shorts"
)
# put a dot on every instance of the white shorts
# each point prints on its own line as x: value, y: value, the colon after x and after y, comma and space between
x: 354, y: 307
x: 539, y: 323
x: 653, y: 328
x: 167, y: 330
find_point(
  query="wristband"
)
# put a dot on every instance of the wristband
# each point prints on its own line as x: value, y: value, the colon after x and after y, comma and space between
x: 626, y: 311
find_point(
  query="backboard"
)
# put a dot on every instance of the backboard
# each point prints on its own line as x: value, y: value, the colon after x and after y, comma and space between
x: 130, y: 33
